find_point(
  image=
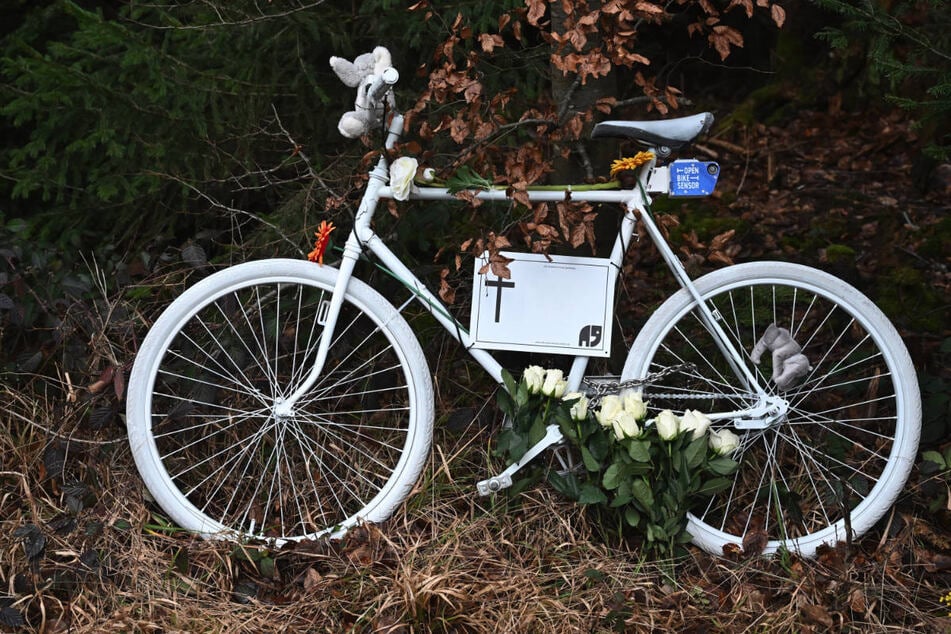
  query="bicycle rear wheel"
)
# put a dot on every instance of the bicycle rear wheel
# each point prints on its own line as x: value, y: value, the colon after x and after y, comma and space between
x: 223, y: 460
x: 834, y: 463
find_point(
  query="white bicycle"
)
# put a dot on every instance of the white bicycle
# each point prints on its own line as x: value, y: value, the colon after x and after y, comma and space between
x: 282, y: 400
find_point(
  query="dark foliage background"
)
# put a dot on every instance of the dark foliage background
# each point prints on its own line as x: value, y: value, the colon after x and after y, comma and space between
x: 144, y: 143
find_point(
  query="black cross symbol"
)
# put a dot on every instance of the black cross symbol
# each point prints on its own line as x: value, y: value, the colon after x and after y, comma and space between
x: 499, y: 284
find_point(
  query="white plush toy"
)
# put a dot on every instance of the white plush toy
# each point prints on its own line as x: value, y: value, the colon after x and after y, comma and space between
x: 789, y: 364
x: 360, y: 74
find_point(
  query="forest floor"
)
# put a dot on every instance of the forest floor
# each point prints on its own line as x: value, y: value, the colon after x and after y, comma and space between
x: 83, y: 550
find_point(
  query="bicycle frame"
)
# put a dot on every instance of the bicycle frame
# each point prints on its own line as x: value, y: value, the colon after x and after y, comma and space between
x: 635, y: 201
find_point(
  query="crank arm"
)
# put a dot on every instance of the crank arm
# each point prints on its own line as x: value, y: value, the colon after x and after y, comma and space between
x: 552, y: 436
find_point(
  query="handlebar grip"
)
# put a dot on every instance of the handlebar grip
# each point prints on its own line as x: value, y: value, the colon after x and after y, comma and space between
x: 382, y: 84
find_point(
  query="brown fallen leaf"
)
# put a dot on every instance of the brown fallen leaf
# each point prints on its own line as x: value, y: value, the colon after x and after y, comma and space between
x: 933, y: 562
x: 754, y: 542
x: 857, y: 602
x: 817, y: 615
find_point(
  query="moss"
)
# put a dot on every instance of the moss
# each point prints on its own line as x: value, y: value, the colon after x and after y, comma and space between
x: 938, y: 243
x: 703, y: 220
x: 908, y: 300
x: 840, y: 254
x: 771, y: 105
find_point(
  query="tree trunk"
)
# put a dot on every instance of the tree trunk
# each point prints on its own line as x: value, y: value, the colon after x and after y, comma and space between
x: 587, y: 159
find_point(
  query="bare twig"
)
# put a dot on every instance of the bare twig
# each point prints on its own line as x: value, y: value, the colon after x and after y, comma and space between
x: 224, y: 21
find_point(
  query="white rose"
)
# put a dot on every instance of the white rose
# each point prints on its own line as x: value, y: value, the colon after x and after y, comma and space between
x: 667, y: 425
x: 625, y: 426
x: 634, y: 404
x: 402, y: 173
x: 611, y: 406
x: 555, y: 384
x: 579, y: 409
x: 724, y: 442
x: 534, y: 377
x: 429, y: 174
x: 694, y: 421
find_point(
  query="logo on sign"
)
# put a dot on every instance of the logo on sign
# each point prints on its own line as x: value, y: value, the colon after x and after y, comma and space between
x: 590, y: 336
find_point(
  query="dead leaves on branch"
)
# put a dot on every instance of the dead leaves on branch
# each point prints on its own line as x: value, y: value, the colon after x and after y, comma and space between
x: 516, y: 143
x: 613, y: 26
x: 720, y: 250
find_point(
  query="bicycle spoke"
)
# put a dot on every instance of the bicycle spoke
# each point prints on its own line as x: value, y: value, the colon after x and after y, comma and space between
x: 823, y: 452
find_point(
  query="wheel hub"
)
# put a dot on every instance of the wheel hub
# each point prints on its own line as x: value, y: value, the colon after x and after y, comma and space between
x: 770, y: 412
x: 282, y: 410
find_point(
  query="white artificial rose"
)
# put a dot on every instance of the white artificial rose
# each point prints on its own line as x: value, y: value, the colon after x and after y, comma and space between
x: 696, y: 422
x: 534, y: 377
x: 667, y: 425
x: 402, y: 173
x: 724, y: 442
x: 611, y: 406
x: 579, y: 408
x: 634, y: 404
x: 625, y: 426
x: 555, y: 384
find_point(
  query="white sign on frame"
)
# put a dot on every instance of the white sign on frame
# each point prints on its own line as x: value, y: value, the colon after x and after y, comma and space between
x: 557, y: 304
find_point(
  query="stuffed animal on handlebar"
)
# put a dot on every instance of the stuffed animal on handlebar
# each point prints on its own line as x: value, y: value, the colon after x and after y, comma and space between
x: 360, y: 74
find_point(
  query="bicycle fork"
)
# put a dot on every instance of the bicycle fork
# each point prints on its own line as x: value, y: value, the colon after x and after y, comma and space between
x: 352, y: 250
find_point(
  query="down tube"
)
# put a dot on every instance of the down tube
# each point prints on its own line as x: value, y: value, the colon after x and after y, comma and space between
x: 433, y: 305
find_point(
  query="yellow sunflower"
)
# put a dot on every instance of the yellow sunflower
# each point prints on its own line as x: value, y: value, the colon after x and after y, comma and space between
x: 630, y: 163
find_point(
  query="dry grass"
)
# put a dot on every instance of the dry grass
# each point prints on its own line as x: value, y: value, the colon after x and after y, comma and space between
x: 84, y: 551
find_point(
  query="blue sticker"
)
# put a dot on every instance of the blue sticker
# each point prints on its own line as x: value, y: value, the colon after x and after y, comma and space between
x: 692, y: 178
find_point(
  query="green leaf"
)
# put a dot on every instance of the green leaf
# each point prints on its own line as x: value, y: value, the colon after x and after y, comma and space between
x: 935, y: 457
x: 714, y: 485
x: 622, y: 495
x: 684, y: 537
x: 591, y: 494
x: 508, y: 382
x: 466, y: 178
x: 642, y: 493
x: 560, y: 414
x: 590, y: 462
x: 600, y: 444
x: 639, y: 450
x: 632, y: 517
x: 611, y: 478
x: 511, y: 444
x: 538, y: 431
x: 722, y: 465
x: 568, y: 430
x: 685, y: 479
x: 695, y: 452
x: 521, y: 395
x: 506, y: 404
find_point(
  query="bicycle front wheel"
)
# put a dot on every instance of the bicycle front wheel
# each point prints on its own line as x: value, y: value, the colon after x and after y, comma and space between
x: 834, y: 462
x: 213, y: 446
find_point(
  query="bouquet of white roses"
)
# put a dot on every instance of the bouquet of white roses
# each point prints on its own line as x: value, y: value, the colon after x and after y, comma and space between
x: 642, y: 474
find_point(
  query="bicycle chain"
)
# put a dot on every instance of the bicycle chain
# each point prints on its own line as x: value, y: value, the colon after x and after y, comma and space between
x: 597, y: 390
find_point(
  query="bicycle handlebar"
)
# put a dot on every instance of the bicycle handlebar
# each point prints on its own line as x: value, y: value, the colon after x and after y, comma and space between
x: 381, y: 84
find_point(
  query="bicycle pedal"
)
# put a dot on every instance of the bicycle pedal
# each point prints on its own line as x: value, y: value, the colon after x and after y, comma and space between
x: 494, y: 485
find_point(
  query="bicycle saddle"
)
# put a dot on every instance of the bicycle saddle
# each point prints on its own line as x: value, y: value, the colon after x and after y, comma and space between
x: 672, y: 133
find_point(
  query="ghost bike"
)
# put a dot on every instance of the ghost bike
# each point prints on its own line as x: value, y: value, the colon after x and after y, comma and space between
x: 283, y: 400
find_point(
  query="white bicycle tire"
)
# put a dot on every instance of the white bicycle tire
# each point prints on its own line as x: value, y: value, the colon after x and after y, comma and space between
x: 313, y: 278
x: 907, y: 401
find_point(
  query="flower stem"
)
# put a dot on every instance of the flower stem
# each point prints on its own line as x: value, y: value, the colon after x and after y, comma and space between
x: 587, y: 187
